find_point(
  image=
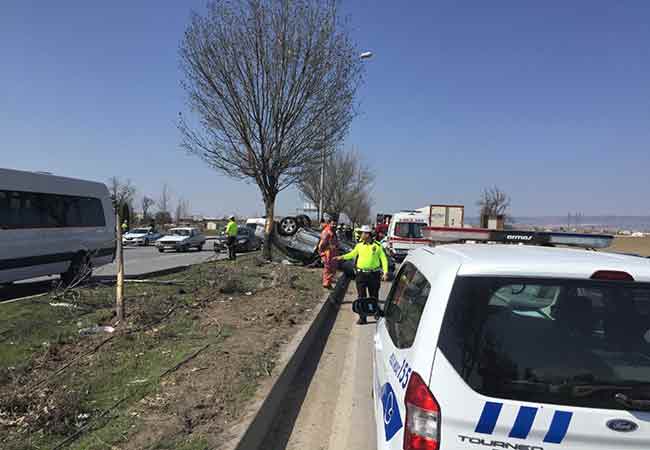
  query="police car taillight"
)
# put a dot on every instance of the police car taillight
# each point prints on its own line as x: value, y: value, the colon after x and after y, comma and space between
x: 422, y: 429
x: 612, y: 275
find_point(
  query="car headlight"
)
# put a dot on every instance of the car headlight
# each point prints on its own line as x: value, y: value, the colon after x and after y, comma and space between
x: 241, y: 241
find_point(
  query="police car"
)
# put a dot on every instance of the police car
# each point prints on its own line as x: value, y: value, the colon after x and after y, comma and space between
x: 483, y: 346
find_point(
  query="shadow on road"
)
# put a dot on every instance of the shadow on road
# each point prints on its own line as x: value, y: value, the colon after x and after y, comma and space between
x: 281, y: 430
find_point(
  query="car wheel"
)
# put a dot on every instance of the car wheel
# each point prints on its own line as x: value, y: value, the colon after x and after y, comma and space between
x: 288, y: 226
x: 146, y: 242
x: 161, y: 250
x: 80, y: 269
x: 199, y: 247
x: 303, y: 221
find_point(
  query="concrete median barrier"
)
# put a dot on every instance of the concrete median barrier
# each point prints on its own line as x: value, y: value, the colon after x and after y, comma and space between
x: 251, y: 431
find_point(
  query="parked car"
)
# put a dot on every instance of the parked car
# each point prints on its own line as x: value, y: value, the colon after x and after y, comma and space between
x: 181, y: 239
x: 512, y: 346
x: 246, y: 241
x: 141, y: 236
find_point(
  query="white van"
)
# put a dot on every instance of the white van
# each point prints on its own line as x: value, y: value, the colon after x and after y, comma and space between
x: 53, y: 225
x: 485, y: 347
x: 405, y: 233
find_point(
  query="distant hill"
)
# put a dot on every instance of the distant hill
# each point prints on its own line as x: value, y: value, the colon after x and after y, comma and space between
x: 634, y: 223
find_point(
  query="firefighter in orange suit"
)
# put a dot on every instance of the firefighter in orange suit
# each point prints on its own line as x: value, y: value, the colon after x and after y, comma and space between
x: 328, y: 247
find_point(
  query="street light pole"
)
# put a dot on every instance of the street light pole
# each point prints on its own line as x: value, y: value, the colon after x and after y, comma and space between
x: 362, y: 56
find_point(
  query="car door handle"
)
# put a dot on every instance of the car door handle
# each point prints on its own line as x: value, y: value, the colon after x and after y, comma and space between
x: 378, y: 344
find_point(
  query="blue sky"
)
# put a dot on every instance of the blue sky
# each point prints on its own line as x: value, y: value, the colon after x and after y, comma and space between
x: 549, y: 100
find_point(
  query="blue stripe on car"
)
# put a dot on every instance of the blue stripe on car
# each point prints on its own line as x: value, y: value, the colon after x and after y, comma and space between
x: 559, y: 427
x: 523, y: 422
x: 489, y: 417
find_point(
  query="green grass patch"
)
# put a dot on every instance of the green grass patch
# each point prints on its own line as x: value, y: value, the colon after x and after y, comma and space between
x: 165, y: 324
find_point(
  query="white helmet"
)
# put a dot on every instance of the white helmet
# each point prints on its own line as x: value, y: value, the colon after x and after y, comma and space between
x: 365, y: 229
x: 231, y: 217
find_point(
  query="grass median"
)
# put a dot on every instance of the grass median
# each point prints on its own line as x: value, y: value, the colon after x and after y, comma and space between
x: 174, y: 376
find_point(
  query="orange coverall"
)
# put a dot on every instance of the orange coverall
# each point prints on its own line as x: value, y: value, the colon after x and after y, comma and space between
x: 328, y: 250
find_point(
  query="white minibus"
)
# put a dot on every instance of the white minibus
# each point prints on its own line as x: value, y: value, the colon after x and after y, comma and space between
x: 53, y: 225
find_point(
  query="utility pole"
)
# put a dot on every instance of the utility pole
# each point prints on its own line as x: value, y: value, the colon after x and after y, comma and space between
x: 119, y: 291
x: 322, y: 185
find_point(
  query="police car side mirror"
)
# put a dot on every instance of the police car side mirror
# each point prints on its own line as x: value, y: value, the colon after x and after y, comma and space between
x: 367, y: 307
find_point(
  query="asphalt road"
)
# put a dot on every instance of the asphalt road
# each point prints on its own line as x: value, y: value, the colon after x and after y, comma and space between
x: 137, y: 261
x: 331, y: 407
x: 140, y: 260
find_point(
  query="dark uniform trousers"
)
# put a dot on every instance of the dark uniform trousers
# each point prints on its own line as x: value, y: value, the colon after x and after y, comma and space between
x: 232, y: 247
x: 368, y: 284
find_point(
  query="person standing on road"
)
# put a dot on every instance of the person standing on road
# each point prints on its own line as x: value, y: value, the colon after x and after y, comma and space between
x: 231, y: 235
x: 371, y: 262
x: 328, y: 248
x: 125, y: 227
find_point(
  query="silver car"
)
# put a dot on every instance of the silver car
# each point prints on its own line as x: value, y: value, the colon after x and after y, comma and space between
x: 181, y: 239
x: 141, y: 236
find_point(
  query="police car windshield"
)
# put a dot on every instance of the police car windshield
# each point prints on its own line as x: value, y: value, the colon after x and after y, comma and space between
x: 140, y: 231
x: 566, y: 342
x: 409, y: 229
x: 180, y: 232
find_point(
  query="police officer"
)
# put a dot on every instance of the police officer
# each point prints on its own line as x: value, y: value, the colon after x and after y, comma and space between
x: 231, y: 234
x: 371, y: 261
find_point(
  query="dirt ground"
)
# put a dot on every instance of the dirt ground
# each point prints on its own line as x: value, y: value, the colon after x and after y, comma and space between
x: 638, y: 245
x: 173, y: 377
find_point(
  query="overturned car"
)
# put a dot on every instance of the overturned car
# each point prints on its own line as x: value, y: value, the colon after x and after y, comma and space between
x: 295, y: 237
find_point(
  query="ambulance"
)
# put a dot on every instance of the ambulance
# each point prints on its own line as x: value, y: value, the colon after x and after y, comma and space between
x: 523, y: 341
x: 405, y: 233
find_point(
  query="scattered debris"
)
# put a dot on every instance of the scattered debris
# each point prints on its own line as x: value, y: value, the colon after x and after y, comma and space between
x: 63, y: 305
x: 283, y: 277
x: 96, y: 329
x: 162, y: 282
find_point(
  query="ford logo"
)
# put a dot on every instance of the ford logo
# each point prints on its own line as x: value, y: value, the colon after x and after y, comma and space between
x: 622, y: 425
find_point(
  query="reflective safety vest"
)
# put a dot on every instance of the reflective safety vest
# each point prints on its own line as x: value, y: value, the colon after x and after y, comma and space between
x: 369, y: 256
x: 231, y: 229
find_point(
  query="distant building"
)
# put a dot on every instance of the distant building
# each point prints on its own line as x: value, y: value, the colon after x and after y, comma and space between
x: 493, y: 222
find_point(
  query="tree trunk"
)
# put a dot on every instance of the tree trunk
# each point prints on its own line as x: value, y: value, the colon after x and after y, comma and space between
x: 269, y: 205
x: 119, y: 285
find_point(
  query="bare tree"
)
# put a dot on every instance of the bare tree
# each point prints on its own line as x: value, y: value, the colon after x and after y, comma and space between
x: 493, y: 202
x: 273, y: 85
x: 346, y: 179
x: 309, y: 184
x: 182, y: 210
x: 122, y: 194
x: 163, y: 218
x: 165, y: 199
x: 358, y: 209
x: 147, y: 203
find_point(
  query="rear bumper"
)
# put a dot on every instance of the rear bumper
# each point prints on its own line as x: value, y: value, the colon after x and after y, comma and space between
x: 133, y: 242
x: 171, y: 245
